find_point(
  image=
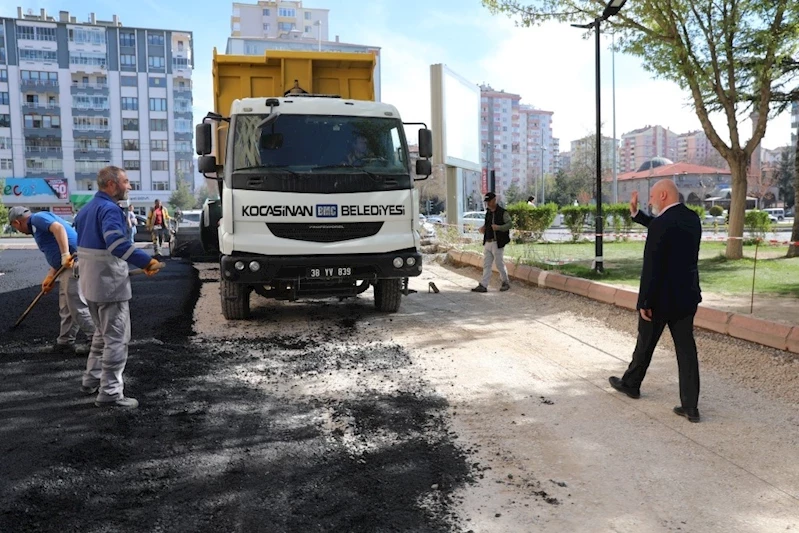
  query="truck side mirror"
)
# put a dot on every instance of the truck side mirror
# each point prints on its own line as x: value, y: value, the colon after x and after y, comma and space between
x: 423, y: 167
x: 425, y: 143
x: 202, y: 138
x: 206, y: 164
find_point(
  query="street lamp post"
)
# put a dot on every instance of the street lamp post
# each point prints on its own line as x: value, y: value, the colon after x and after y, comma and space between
x: 490, y: 186
x: 612, y: 7
x: 543, y: 180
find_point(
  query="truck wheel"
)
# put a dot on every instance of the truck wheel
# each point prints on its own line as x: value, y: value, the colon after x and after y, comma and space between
x: 235, y: 300
x: 388, y: 293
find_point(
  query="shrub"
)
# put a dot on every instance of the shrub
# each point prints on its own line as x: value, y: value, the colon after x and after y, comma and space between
x: 531, y: 221
x: 619, y: 214
x: 699, y: 210
x: 757, y: 223
x: 716, y: 211
x: 575, y: 217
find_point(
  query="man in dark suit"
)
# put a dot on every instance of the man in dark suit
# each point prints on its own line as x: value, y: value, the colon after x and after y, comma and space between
x: 669, y: 293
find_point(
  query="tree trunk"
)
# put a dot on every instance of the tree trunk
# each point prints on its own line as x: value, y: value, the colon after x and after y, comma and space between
x: 793, y: 249
x: 737, y: 208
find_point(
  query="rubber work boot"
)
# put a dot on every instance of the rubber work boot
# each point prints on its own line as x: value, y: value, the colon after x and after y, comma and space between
x: 505, y: 286
x: 479, y: 288
x: 126, y: 403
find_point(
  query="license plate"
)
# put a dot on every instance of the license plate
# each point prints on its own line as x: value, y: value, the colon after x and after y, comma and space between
x: 330, y: 272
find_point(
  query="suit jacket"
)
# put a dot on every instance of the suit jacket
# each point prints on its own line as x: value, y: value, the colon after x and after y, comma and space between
x: 670, y: 274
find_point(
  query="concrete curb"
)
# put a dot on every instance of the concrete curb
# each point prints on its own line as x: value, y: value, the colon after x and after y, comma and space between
x: 744, y: 327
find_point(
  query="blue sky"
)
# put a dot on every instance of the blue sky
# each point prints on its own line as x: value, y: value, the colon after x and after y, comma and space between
x: 551, y: 67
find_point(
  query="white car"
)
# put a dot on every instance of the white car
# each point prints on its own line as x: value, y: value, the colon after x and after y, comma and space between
x: 473, y: 220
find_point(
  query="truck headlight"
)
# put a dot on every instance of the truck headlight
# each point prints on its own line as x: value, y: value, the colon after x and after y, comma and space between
x: 398, y: 262
x: 410, y: 261
x: 238, y: 265
x: 255, y: 266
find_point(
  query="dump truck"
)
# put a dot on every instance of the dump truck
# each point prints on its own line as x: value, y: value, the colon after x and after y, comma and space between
x: 316, y: 195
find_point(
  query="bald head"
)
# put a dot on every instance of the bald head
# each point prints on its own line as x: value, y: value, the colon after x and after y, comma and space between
x: 663, y: 194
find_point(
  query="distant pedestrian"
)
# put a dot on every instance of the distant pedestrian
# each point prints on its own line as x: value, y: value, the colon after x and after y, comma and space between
x: 531, y: 201
x: 104, y: 251
x: 496, y: 234
x: 157, y: 223
x: 669, y: 293
x: 132, y: 222
x: 59, y: 242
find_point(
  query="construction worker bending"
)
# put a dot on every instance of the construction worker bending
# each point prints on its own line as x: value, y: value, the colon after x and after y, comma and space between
x: 158, y: 224
x: 59, y: 242
x: 104, y: 250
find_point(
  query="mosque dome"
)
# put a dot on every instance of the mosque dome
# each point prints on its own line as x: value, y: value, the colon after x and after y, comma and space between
x: 655, y: 162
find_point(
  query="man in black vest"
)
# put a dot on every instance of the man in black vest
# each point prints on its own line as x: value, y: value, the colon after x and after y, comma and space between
x: 496, y: 234
x: 669, y: 293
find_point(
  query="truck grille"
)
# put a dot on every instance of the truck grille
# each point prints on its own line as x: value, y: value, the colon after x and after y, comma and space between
x: 311, y: 183
x: 315, y: 232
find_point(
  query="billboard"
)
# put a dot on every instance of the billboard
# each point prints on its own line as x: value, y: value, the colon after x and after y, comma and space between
x: 455, y: 113
x: 22, y: 191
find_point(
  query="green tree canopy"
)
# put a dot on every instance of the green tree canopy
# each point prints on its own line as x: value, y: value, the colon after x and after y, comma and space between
x: 182, y: 198
x: 729, y: 55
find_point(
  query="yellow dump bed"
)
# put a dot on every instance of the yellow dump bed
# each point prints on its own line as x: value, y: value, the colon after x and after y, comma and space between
x: 349, y: 75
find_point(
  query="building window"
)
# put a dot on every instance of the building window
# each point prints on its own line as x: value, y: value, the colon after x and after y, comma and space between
x: 127, y: 60
x: 130, y: 124
x: 135, y: 185
x: 130, y: 103
x: 90, y: 123
x: 86, y: 36
x: 158, y: 124
x: 266, y: 26
x: 180, y: 46
x: 6, y: 164
x: 3, y: 74
x: 98, y: 103
x: 307, y: 15
x: 266, y: 12
x: 131, y: 164
x: 51, y: 165
x: 160, y: 185
x: 87, y: 58
x: 5, y: 143
x: 286, y: 26
x: 127, y: 39
x: 159, y: 165
x: 5, y: 120
x: 131, y: 145
x: 158, y: 146
x: 155, y: 39
x: 155, y: 61
x: 236, y: 26
x: 307, y: 29
x: 182, y: 105
x: 3, y: 98
x: 286, y: 12
x: 26, y: 33
x: 180, y: 62
x: 157, y: 104
x: 180, y: 146
x: 46, y: 56
x: 42, y: 121
x: 183, y: 125
x: 183, y: 165
x: 92, y: 144
x: 90, y: 166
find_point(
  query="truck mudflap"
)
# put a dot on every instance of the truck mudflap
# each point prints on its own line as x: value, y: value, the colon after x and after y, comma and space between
x: 209, y: 226
x: 321, y: 269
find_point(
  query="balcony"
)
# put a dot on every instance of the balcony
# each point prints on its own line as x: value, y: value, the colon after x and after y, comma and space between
x: 41, y: 108
x: 92, y: 152
x: 43, y: 151
x: 39, y: 86
x: 89, y: 89
x: 42, y: 132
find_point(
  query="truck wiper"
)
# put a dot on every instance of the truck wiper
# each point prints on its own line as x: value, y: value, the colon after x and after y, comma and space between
x: 348, y: 166
x: 284, y: 168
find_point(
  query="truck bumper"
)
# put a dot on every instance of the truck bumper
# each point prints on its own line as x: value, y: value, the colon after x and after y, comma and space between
x: 262, y: 269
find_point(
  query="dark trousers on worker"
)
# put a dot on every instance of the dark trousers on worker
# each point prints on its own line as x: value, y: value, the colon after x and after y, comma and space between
x: 682, y: 332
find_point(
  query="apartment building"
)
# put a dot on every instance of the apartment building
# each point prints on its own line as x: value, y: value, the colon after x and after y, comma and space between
x: 274, y: 20
x: 78, y: 96
x: 642, y: 145
x: 516, y: 141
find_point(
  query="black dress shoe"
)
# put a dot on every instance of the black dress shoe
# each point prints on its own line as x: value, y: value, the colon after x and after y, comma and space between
x: 692, y: 414
x: 617, y: 384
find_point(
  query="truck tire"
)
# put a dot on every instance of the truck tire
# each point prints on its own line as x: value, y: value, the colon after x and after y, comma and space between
x: 235, y: 300
x: 388, y: 294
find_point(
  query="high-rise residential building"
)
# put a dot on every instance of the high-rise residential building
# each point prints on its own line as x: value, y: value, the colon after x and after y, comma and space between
x: 278, y: 19
x: 516, y: 141
x: 644, y: 144
x: 78, y: 96
x: 582, y: 153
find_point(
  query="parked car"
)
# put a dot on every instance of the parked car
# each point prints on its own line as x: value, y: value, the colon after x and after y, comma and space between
x: 473, y: 220
x: 776, y: 212
x: 435, y: 219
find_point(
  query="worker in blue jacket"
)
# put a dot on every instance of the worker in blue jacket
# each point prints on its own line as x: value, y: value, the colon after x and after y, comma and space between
x: 58, y: 242
x: 104, y: 250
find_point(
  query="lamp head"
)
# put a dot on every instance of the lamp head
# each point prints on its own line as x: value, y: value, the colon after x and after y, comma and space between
x: 613, y: 7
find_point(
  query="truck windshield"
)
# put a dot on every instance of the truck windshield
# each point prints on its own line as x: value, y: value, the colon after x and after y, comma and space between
x: 303, y: 143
